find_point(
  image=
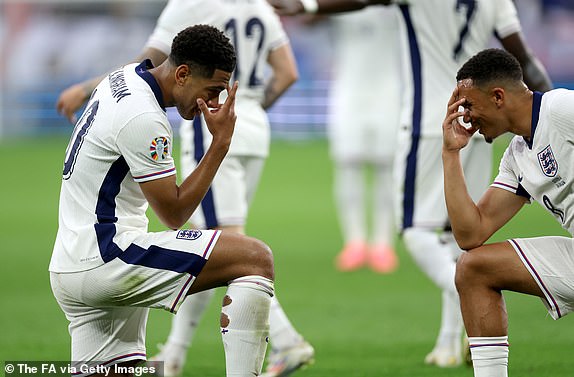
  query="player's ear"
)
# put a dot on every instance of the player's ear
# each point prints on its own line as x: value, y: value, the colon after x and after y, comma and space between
x: 498, y: 96
x: 181, y: 74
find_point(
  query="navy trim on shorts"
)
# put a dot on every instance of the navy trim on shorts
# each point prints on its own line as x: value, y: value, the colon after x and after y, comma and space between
x: 208, y: 201
x: 553, y: 304
x: 411, y: 166
x: 163, y: 259
x: 154, y: 256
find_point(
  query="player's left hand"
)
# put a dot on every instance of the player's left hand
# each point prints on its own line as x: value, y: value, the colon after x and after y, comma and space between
x: 455, y: 135
x: 287, y: 7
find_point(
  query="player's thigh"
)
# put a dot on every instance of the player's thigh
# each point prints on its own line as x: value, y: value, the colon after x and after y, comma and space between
x: 235, y: 255
x: 155, y: 270
x: 550, y: 262
x: 496, y: 266
x: 108, y: 305
x: 102, y: 335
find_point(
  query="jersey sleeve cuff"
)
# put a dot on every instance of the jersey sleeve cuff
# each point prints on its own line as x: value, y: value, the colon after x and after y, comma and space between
x: 155, y: 175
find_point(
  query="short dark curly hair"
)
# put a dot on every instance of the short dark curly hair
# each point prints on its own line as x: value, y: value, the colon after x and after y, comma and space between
x: 203, y: 48
x: 490, y: 65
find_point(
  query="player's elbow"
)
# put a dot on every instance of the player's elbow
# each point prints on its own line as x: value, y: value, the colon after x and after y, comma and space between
x: 285, y: 79
x: 468, y: 240
x: 173, y: 220
x: 292, y: 77
x: 173, y: 224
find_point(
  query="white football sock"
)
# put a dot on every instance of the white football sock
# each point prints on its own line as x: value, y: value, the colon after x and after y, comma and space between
x: 433, y: 257
x: 451, y: 325
x: 350, y: 198
x: 245, y: 324
x: 185, y: 322
x: 383, y: 220
x: 489, y: 356
x: 282, y: 334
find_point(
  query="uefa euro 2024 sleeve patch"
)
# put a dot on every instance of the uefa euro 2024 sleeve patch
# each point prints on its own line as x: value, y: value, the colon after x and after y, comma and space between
x: 188, y: 234
x: 159, y: 148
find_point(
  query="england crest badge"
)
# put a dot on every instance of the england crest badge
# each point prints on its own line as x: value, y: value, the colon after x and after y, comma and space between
x: 547, y: 162
x: 188, y: 234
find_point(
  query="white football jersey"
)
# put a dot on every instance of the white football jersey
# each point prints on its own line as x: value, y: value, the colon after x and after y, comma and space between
x: 440, y: 36
x: 123, y: 138
x: 254, y: 30
x: 542, y: 168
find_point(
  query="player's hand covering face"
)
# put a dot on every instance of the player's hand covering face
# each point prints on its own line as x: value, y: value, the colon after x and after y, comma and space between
x: 220, y: 119
x: 455, y: 135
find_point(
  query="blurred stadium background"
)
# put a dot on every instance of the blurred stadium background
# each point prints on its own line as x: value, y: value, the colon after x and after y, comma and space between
x: 361, y: 324
x: 49, y: 44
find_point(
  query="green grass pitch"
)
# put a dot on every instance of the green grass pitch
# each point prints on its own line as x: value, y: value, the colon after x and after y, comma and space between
x: 360, y: 323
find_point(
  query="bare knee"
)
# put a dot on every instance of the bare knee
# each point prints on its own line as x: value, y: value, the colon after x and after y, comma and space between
x: 469, y: 270
x: 261, y: 259
x: 234, y: 256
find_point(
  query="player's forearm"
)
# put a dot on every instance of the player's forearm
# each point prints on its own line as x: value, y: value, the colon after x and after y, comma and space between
x: 89, y: 85
x: 293, y: 7
x: 75, y: 96
x: 193, y: 189
x: 175, y: 204
x: 535, y: 76
x: 462, y: 211
x: 337, y: 6
x: 284, y: 67
x: 220, y: 123
x: 275, y: 87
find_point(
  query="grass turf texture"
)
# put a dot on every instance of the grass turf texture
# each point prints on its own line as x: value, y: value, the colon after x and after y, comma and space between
x: 360, y: 323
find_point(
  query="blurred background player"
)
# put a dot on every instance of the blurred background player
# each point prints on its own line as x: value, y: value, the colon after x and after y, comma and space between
x: 362, y: 131
x: 439, y: 35
x: 260, y: 43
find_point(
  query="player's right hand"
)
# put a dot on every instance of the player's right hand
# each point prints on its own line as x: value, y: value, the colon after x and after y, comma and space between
x: 70, y: 100
x: 455, y: 135
x: 221, y: 120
